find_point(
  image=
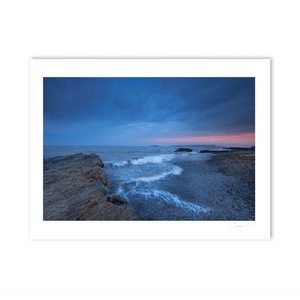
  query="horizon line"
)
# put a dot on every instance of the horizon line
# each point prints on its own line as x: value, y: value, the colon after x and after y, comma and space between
x: 191, y: 145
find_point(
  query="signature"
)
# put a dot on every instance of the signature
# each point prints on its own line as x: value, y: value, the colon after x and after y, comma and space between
x: 240, y: 226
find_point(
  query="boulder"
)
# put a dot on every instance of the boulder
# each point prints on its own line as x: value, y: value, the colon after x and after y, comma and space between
x: 184, y: 150
x: 117, y: 200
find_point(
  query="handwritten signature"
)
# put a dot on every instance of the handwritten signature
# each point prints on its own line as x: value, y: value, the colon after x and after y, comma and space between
x: 240, y: 226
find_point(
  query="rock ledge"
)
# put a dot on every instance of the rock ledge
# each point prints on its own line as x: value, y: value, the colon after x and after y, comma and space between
x: 75, y: 188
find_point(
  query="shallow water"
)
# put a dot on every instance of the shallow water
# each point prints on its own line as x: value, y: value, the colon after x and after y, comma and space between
x: 147, y: 177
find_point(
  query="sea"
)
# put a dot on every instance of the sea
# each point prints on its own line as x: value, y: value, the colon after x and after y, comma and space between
x: 145, y: 176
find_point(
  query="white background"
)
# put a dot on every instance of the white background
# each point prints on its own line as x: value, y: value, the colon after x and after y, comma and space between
x: 150, y: 270
x: 258, y: 68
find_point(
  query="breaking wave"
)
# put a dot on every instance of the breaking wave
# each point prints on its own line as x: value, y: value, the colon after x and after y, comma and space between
x: 116, y: 163
x: 156, y: 159
x: 176, y: 171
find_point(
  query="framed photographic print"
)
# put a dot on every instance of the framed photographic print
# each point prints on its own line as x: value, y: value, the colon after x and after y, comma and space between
x: 159, y: 149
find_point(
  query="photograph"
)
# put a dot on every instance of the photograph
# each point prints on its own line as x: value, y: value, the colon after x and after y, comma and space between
x: 149, y: 148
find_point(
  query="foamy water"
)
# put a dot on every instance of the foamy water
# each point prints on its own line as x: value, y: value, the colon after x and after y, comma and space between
x: 176, y: 171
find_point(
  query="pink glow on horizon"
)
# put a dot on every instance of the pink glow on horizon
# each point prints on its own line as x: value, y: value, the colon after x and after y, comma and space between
x: 239, y: 139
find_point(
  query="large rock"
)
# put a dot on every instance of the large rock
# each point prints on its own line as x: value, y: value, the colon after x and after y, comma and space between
x: 75, y: 188
x: 184, y: 150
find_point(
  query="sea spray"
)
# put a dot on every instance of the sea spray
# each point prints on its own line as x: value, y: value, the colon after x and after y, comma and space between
x: 176, y: 171
x: 160, y: 195
x: 155, y: 159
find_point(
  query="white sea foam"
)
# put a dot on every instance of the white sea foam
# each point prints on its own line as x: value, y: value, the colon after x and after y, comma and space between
x: 116, y: 163
x: 120, y: 191
x: 159, y: 195
x: 156, y: 159
x: 120, y: 163
x: 194, y: 153
x: 175, y: 171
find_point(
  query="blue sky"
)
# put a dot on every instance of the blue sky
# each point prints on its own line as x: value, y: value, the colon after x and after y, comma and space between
x: 145, y: 111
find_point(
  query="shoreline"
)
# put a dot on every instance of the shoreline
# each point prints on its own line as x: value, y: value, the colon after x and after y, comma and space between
x: 76, y: 188
x: 225, y: 183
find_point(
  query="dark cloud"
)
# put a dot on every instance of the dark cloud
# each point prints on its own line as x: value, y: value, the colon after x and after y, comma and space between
x: 125, y: 110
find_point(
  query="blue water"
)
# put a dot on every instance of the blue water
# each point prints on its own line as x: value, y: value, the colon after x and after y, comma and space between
x: 145, y: 176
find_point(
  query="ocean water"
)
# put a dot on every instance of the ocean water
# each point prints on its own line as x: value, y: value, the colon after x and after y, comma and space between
x: 145, y: 177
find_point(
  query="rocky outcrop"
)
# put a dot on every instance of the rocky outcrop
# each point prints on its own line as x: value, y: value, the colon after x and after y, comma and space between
x: 241, y: 148
x: 75, y: 188
x: 184, y: 150
x: 229, y: 149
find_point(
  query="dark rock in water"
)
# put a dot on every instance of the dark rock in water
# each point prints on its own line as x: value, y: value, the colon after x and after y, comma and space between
x: 75, y: 188
x: 117, y: 200
x: 184, y: 150
x: 212, y: 151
